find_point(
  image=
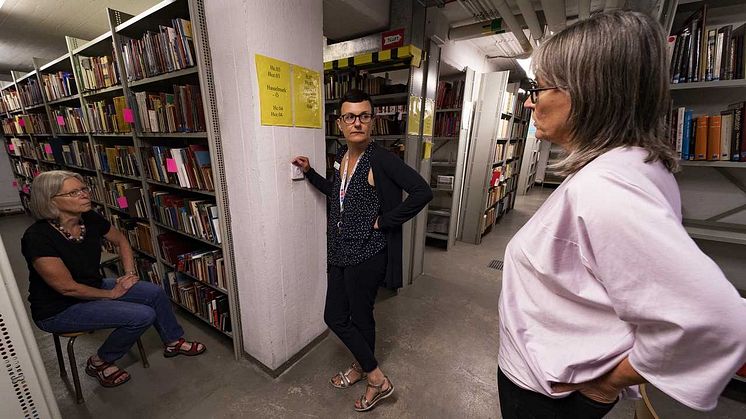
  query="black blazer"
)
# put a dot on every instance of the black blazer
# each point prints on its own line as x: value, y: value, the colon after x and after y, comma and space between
x: 392, y: 176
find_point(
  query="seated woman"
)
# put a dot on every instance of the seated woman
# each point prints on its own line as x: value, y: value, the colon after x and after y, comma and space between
x: 68, y: 294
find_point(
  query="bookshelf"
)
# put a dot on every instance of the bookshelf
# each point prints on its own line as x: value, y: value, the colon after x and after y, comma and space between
x: 106, y: 116
x: 495, y: 154
x: 453, y: 113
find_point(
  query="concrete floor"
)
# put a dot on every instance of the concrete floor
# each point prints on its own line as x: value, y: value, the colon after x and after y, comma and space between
x: 437, y: 342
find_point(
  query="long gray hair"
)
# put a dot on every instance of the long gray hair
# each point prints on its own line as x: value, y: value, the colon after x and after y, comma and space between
x: 613, y: 66
x: 43, y: 189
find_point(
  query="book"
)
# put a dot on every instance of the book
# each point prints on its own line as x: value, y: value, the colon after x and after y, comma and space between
x: 686, y: 134
x: 737, y: 137
x: 710, y: 57
x: 713, y: 137
x: 726, y: 134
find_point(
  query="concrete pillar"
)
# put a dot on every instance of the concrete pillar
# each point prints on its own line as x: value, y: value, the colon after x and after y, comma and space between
x: 278, y: 225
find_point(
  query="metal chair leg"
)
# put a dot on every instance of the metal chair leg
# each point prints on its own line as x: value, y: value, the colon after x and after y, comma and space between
x: 143, y: 357
x: 74, y: 370
x: 60, y: 359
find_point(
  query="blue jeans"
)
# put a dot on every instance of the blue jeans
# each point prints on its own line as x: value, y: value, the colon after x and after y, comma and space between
x: 144, y: 305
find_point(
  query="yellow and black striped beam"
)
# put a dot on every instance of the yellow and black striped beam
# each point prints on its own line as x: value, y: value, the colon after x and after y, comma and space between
x: 381, y: 57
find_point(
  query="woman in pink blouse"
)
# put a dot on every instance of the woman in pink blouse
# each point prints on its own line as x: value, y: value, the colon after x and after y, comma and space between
x: 603, y: 289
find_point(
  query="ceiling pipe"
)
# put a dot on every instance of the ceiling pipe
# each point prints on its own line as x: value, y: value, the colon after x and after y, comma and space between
x: 532, y: 20
x: 584, y: 9
x: 513, y: 24
x: 476, y: 30
x: 554, y: 10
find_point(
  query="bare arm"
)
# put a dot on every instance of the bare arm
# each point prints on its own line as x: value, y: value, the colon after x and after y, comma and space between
x: 56, y: 275
x: 607, y: 387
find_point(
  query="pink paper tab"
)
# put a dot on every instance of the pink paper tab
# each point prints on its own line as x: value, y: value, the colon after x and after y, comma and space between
x: 15, y: 184
x: 129, y: 116
x: 22, y: 122
x: 48, y: 148
x: 36, y: 173
x: 171, y: 166
x: 122, y: 202
x: 26, y: 189
x: 11, y: 147
x: 60, y: 120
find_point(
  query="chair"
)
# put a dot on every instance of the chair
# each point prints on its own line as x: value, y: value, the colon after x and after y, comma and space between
x: 73, y: 364
x: 643, y: 408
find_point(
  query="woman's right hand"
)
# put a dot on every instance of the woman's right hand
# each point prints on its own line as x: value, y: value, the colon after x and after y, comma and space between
x: 123, y: 285
x: 302, y: 162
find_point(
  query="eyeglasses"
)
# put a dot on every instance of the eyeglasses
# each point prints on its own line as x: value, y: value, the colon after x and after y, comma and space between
x: 76, y: 193
x: 349, y: 118
x: 535, y: 89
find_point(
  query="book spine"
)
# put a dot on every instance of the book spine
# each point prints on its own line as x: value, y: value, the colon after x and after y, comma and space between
x: 686, y: 134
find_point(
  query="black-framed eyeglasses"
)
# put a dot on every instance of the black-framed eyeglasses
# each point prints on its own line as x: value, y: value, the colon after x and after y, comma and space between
x: 349, y: 118
x: 535, y: 89
x: 76, y: 193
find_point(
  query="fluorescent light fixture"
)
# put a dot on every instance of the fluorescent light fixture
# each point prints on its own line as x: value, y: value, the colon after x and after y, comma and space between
x: 1, y: 3
x: 526, y: 66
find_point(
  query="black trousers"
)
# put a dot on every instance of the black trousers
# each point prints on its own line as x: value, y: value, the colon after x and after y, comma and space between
x: 350, y: 296
x: 518, y: 403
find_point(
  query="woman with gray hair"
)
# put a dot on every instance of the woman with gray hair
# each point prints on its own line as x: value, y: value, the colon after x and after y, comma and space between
x: 603, y: 289
x: 68, y: 294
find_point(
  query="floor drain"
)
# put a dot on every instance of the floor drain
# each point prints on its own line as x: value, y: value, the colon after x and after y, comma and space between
x: 496, y: 264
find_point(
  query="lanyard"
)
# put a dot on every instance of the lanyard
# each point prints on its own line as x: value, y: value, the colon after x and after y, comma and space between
x: 345, y: 183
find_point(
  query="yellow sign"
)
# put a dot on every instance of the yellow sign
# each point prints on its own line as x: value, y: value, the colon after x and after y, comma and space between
x: 427, y: 123
x: 414, y: 115
x: 307, y: 97
x: 428, y: 152
x: 274, y: 91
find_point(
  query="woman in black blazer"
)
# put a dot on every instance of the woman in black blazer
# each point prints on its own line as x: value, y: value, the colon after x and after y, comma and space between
x: 365, y: 214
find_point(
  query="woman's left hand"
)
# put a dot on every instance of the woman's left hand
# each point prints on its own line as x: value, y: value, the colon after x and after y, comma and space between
x: 600, y: 389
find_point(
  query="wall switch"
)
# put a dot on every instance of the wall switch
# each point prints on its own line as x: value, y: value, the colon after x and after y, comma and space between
x: 295, y: 172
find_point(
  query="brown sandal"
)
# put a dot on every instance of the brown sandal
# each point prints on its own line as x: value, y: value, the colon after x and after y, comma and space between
x: 345, y: 381
x: 380, y: 395
x: 175, y: 349
x: 108, y: 381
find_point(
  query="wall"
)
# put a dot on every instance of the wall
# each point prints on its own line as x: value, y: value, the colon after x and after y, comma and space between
x: 8, y: 192
x: 278, y: 225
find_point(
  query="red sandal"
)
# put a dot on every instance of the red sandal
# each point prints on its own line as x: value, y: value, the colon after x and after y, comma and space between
x: 195, y: 348
x: 108, y: 381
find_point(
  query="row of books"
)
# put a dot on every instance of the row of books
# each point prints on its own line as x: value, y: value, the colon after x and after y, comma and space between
x: 107, y: 116
x: 127, y: 196
x: 119, y: 159
x: 97, y: 193
x: 138, y: 232
x: 98, y: 72
x: 388, y: 125
x: 169, y: 49
x: 196, y: 217
x: 200, y: 299
x: 205, y: 265
x: 709, y: 137
x: 180, y: 111
x: 19, y: 147
x: 699, y: 51
x: 31, y: 93
x: 187, y: 167
x: 78, y: 153
x: 336, y: 85
x: 26, y: 124
x: 25, y: 168
x: 447, y: 124
x: 44, y: 151
x: 11, y: 100
x: 449, y: 94
x: 69, y: 120
x: 58, y: 85
x: 509, y: 102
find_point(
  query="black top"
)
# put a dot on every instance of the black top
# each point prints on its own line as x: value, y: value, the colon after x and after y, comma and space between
x: 391, y: 176
x: 81, y: 259
x: 351, y: 238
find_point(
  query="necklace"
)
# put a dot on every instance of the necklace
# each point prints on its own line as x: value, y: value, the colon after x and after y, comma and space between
x: 56, y: 224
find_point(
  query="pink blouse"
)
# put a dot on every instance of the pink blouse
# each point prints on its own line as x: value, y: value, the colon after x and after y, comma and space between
x: 605, y: 270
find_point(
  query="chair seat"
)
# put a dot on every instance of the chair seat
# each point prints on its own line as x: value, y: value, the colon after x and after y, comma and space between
x: 72, y: 334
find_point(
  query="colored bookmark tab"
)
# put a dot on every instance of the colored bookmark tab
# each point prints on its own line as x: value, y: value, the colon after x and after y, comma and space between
x: 22, y: 122
x: 171, y: 166
x: 11, y: 147
x: 15, y: 184
x: 122, y: 202
x: 60, y: 120
x: 26, y: 189
x: 129, y: 116
x: 48, y: 148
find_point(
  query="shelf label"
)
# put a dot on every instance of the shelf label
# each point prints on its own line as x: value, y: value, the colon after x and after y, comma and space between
x: 129, y: 116
x: 60, y: 120
x: 48, y: 148
x: 171, y: 166
x: 307, y: 97
x: 122, y: 202
x: 414, y: 115
x: 274, y: 91
x: 427, y: 123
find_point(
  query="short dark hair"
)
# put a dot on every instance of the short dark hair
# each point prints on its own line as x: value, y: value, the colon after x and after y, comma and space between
x: 355, y: 96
